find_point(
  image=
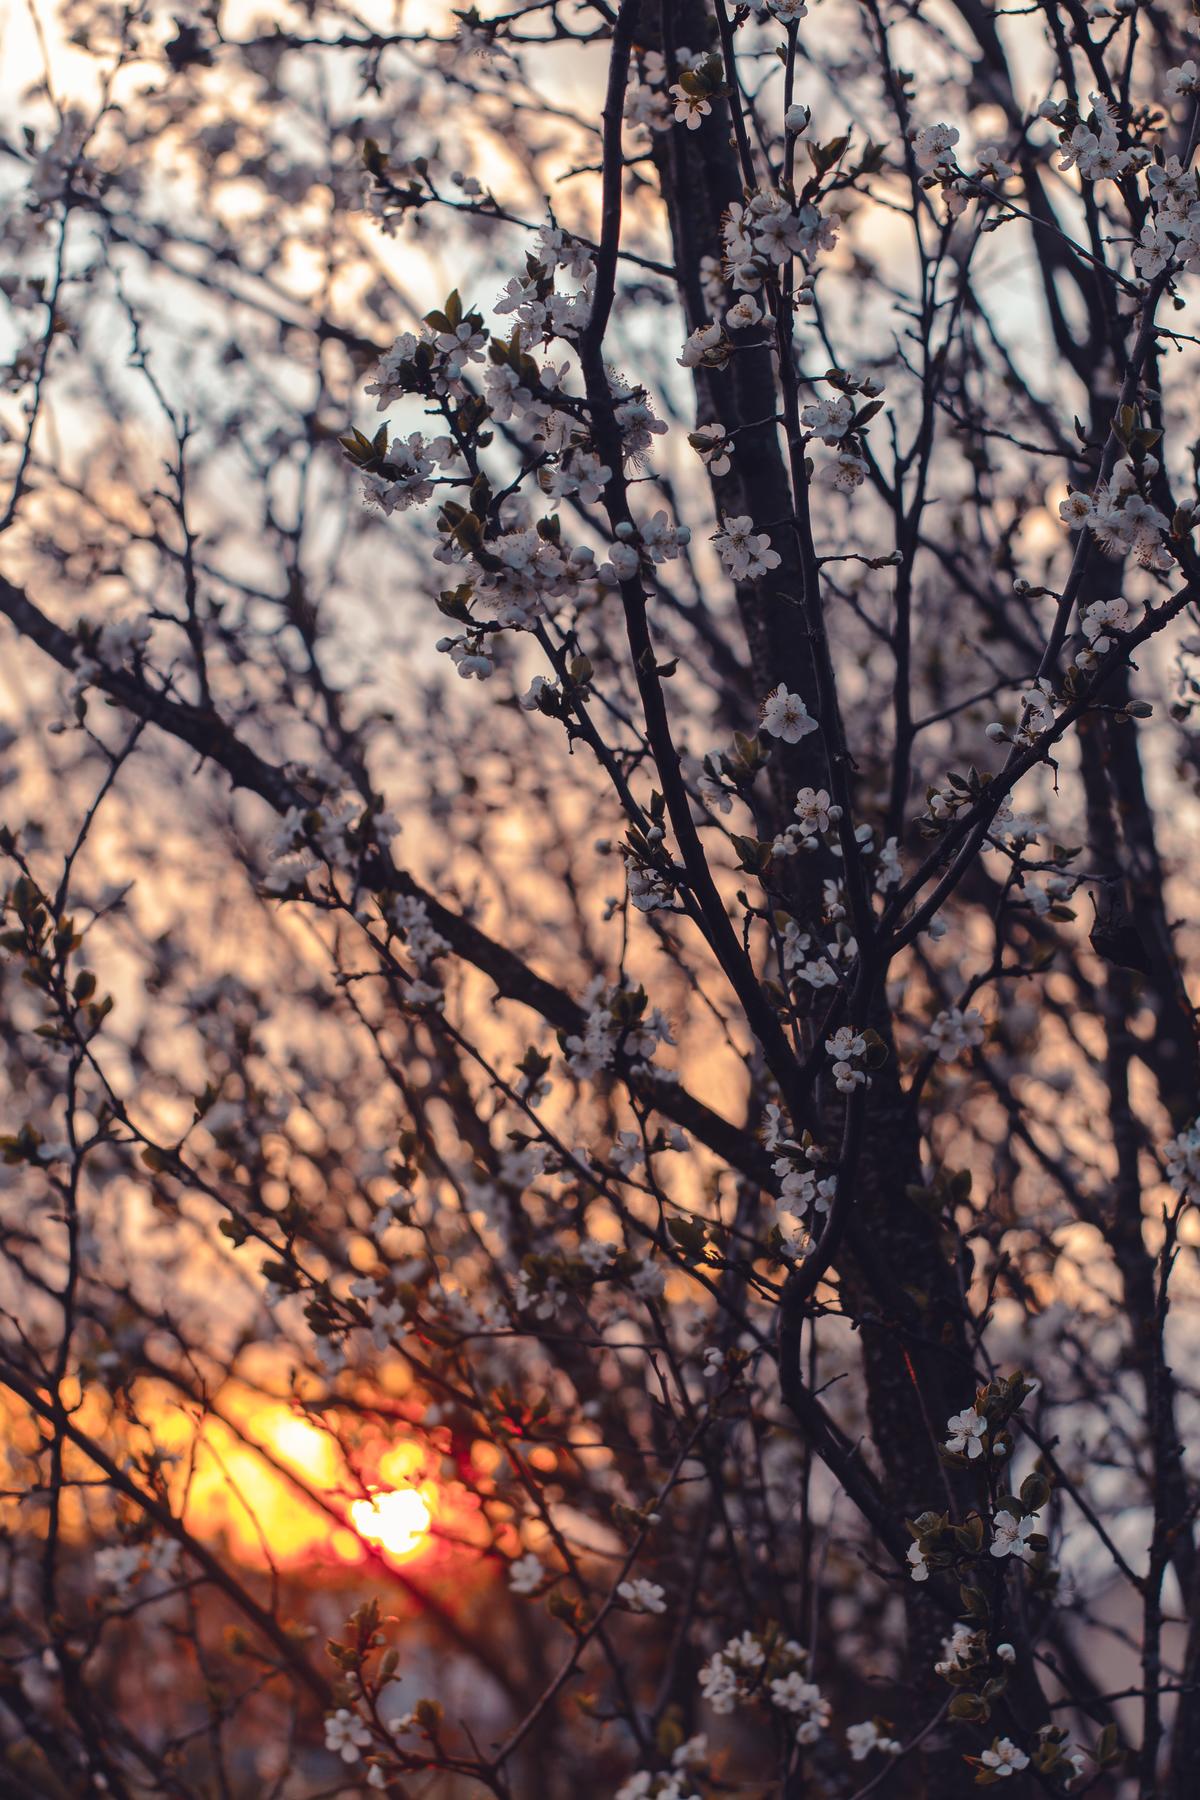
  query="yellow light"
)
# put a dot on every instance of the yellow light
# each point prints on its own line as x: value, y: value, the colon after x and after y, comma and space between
x: 396, y: 1521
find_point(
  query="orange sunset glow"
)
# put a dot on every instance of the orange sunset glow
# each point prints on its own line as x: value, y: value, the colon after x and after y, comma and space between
x: 282, y: 1489
x: 287, y: 1492
x: 398, y: 1521
x: 599, y: 900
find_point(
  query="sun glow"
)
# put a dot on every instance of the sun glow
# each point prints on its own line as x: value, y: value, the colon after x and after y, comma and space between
x: 397, y: 1522
x: 301, y: 1493
x: 393, y: 1513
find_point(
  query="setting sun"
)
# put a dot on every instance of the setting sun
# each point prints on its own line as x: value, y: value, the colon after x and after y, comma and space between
x: 396, y: 1521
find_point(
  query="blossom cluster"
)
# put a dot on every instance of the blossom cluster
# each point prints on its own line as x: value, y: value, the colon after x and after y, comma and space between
x: 954, y: 1031
x: 617, y: 1022
x: 765, y: 232
x: 1183, y: 1163
x: 674, y: 1783
x: 756, y: 1665
x: 512, y: 568
x: 1120, y: 517
x: 847, y: 1047
x: 1093, y: 146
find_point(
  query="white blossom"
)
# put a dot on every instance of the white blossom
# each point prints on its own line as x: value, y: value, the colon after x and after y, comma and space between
x: 814, y: 810
x: 967, y: 1430
x: 526, y: 1574
x: 346, y: 1734
x: 1182, y: 1156
x: 745, y: 554
x: 744, y: 312
x: 1154, y: 250
x: 1102, y: 616
x: 1184, y: 79
x: 689, y: 108
x: 846, y: 471
x: 642, y: 1596
x: 829, y: 419
x: 712, y: 446
x: 954, y: 1031
x: 804, y: 1700
x: 990, y: 162
x: 1076, y: 509
x: 1004, y: 1757
x: 1010, y: 1535
x: 705, y: 345
x: 862, y: 1740
x: 932, y: 143
x: 785, y: 716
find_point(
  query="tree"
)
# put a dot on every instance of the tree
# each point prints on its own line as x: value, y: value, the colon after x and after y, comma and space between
x: 668, y: 1132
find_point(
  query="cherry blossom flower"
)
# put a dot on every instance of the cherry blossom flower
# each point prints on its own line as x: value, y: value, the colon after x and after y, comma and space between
x: 638, y: 425
x: 804, y: 1700
x: 1154, y: 251
x: 526, y: 1574
x: 1011, y: 1535
x: 1101, y: 617
x: 1076, y: 509
x: 712, y: 445
x: 918, y: 1563
x: 846, y: 471
x: 845, y: 1045
x: 645, y: 107
x: 745, y: 554
x: 954, y: 1031
x: 829, y: 419
x: 814, y: 810
x: 967, y: 1430
x: 1173, y: 189
x: 865, y: 1739
x: 785, y: 716
x: 1122, y: 520
x: 1098, y: 156
x: 1182, y: 1157
x: 719, y: 1685
x: 669, y: 1786
x: 1185, y: 79
x: 959, y: 1650
x: 1004, y: 1758
x: 689, y: 108
x: 642, y: 1596
x: 663, y: 540
x: 744, y: 312
x: 990, y: 162
x: 704, y: 346
x: 403, y: 480
x: 931, y: 144
x: 346, y: 1734
x: 778, y: 233
x: 463, y: 344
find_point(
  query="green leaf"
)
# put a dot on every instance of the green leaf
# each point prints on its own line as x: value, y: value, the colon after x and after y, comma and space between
x: 691, y: 1237
x: 1035, y: 1491
x: 825, y: 155
x: 969, y: 1708
x: 975, y: 1602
